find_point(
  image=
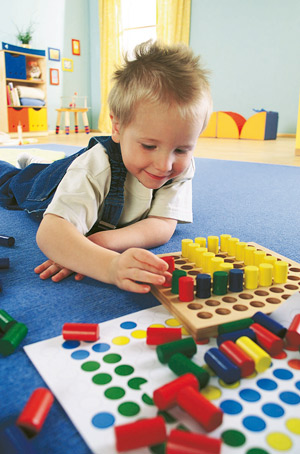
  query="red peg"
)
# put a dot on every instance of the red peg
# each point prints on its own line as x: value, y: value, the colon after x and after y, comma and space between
x: 81, y: 331
x: 293, y: 333
x: 182, y: 442
x: 157, y: 336
x: 271, y: 343
x: 165, y: 396
x: 186, y: 288
x: 35, y: 412
x: 169, y: 259
x: 238, y: 357
x: 141, y: 433
x: 200, y: 408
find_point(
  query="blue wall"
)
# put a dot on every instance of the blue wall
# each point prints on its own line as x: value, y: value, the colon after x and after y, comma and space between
x: 253, y: 51
x: 251, y: 47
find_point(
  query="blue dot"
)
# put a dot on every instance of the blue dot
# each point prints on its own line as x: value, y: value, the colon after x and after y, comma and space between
x: 80, y: 354
x: 273, y: 410
x: 254, y: 423
x: 266, y: 384
x: 128, y: 325
x: 283, y: 374
x: 103, y: 420
x: 289, y: 397
x: 231, y: 407
x: 70, y: 344
x: 297, y: 384
x: 249, y: 395
x: 101, y: 347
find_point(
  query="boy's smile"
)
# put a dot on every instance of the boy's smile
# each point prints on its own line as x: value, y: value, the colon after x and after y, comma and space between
x: 158, y: 143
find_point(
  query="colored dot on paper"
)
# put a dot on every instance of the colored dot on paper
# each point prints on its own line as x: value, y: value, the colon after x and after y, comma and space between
x: 229, y: 386
x: 157, y: 325
x: 184, y: 331
x: 114, y: 392
x: 293, y: 425
x: 103, y: 420
x: 167, y: 416
x: 211, y: 392
x: 124, y: 370
x: 112, y: 358
x: 129, y: 409
x: 254, y: 423
x: 279, y: 441
x: 283, y: 374
x: 297, y: 385
x: 294, y: 363
x: 139, y: 334
x: 70, y: 344
x: 136, y: 383
x: 249, y: 395
x: 147, y: 399
x: 273, y: 410
x: 266, y: 384
x: 128, y: 325
x: 256, y: 451
x: 231, y: 407
x: 101, y: 347
x: 289, y: 397
x: 233, y: 438
x: 173, y: 322
x: 102, y: 379
x: 80, y: 354
x: 120, y: 340
x: 90, y: 366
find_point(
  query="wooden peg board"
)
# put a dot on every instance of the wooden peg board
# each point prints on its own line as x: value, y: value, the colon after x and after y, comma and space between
x: 201, y: 317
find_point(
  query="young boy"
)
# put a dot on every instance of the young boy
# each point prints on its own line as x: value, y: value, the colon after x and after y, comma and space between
x: 159, y: 105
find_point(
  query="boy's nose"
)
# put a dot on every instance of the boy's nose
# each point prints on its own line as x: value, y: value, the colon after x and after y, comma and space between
x: 164, y: 162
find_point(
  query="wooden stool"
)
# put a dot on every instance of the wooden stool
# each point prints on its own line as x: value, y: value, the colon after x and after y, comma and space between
x: 75, y: 110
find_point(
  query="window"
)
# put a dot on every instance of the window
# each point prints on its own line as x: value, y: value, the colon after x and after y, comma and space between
x: 138, y: 23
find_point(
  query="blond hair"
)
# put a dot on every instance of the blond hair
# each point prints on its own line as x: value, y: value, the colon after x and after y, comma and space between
x: 160, y: 74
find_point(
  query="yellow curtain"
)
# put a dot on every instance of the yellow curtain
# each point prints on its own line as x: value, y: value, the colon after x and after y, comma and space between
x: 173, y: 21
x: 109, y: 12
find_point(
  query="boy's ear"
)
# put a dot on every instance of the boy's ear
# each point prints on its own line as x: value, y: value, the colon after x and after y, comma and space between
x: 115, y: 128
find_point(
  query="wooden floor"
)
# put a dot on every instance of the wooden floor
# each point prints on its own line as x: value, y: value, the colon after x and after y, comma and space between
x: 279, y: 151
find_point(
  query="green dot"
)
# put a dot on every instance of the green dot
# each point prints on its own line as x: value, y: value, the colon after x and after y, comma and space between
x: 233, y: 438
x: 167, y: 416
x: 135, y: 383
x: 147, y: 399
x: 90, y: 366
x: 124, y: 370
x: 257, y: 451
x: 158, y: 449
x: 115, y: 392
x: 129, y: 409
x: 102, y: 379
x: 112, y: 358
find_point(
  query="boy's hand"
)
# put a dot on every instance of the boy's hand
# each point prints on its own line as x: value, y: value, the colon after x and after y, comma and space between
x: 56, y: 272
x: 135, y: 269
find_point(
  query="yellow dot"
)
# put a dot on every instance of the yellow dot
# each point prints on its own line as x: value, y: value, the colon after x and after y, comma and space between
x: 139, y: 334
x: 279, y: 441
x: 253, y: 375
x: 172, y: 322
x: 230, y: 386
x: 156, y: 325
x: 293, y: 425
x: 185, y: 332
x: 211, y: 392
x: 120, y: 340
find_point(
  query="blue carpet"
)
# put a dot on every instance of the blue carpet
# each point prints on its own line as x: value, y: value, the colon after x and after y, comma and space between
x: 253, y: 202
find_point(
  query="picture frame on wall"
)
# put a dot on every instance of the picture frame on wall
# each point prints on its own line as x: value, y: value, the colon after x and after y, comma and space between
x: 54, y: 76
x: 53, y: 54
x: 75, y: 47
x: 67, y: 64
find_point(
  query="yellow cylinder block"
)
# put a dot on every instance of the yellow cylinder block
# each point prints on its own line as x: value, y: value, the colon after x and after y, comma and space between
x: 231, y: 246
x: 265, y: 274
x: 191, y: 252
x: 259, y: 257
x: 184, y: 246
x: 226, y: 267
x: 262, y: 359
x: 251, y: 277
x: 207, y: 256
x: 224, y: 242
x: 249, y: 255
x: 199, y: 256
x: 201, y: 241
x: 216, y: 262
x: 240, y: 251
x: 280, y: 272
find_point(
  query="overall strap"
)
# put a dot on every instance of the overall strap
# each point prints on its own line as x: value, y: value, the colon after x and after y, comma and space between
x: 114, y: 201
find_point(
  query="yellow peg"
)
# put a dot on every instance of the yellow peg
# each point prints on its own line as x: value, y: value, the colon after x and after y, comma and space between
x: 249, y: 255
x: 262, y: 359
x: 259, y: 257
x: 224, y: 242
x: 213, y: 244
x: 215, y: 264
x: 226, y: 266
x: 207, y: 256
x: 251, y: 277
x: 191, y: 252
x: 199, y: 256
x: 201, y: 241
x: 231, y: 246
x: 184, y: 246
x: 240, y: 251
x: 265, y: 274
x: 280, y: 272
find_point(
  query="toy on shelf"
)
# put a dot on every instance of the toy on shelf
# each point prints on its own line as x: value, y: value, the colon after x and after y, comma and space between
x: 73, y: 106
x: 231, y: 125
x: 218, y: 284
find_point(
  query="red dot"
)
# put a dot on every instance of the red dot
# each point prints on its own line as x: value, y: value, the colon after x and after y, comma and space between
x: 294, y: 363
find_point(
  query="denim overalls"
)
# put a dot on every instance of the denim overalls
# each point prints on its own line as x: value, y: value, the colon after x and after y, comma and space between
x: 32, y: 188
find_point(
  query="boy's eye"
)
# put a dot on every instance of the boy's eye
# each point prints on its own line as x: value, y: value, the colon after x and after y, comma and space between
x: 148, y: 147
x: 179, y: 151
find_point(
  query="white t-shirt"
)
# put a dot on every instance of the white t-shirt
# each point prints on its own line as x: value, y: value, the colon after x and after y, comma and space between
x: 79, y: 196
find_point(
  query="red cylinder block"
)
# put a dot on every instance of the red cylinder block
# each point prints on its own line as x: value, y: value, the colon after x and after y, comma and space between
x: 35, y: 412
x: 165, y: 396
x: 293, y: 333
x: 271, y: 343
x: 238, y: 357
x: 81, y: 331
x: 186, y: 288
x: 201, y: 409
x: 169, y: 259
x: 181, y: 442
x: 157, y: 336
x: 139, y: 434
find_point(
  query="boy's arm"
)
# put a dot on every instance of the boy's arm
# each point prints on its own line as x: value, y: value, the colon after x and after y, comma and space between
x: 62, y: 243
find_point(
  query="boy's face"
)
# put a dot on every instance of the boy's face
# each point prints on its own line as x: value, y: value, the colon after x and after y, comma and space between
x: 158, y: 143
